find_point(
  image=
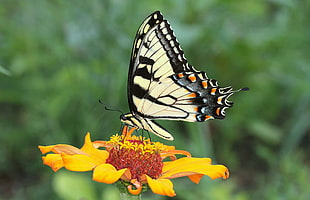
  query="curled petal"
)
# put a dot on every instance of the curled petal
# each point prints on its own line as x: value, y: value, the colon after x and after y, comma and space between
x: 195, y: 178
x: 60, y: 148
x: 97, y: 144
x: 138, y: 186
x: 89, y: 149
x: 134, y: 191
x: 191, y: 166
x: 107, y: 173
x: 161, y: 186
x: 45, y: 149
x: 54, y: 161
x: 172, y: 153
x: 127, y: 131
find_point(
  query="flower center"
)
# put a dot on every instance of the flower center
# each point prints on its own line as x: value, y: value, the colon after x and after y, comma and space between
x: 136, y: 161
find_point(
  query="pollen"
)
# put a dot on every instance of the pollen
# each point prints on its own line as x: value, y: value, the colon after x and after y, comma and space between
x: 136, y: 153
x: 137, y: 161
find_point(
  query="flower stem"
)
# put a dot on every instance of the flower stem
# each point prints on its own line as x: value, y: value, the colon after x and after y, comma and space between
x: 127, y: 196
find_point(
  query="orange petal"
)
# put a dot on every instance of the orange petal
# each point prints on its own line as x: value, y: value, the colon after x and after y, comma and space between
x: 74, y: 159
x: 134, y: 192
x: 97, y: 156
x: 97, y: 144
x: 126, y: 176
x: 137, y: 184
x: 60, y: 148
x: 54, y: 161
x: 195, y: 178
x: 190, y: 166
x: 127, y: 131
x: 107, y: 173
x: 172, y: 153
x: 161, y: 186
x: 79, y: 163
x: 45, y: 149
x: 89, y: 149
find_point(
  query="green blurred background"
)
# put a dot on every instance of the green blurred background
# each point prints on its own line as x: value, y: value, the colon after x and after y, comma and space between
x: 58, y: 58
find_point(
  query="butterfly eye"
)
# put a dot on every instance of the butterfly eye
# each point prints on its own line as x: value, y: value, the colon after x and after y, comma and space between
x: 123, y: 118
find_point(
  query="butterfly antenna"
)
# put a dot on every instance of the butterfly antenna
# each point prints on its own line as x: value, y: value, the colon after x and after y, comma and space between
x: 110, y: 109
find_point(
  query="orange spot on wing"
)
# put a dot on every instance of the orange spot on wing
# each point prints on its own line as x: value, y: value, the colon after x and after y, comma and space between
x: 219, y: 100
x: 204, y: 84
x: 207, y: 117
x: 213, y: 90
x: 192, y: 95
x: 192, y: 78
x: 180, y: 75
x: 218, y: 111
x: 196, y: 109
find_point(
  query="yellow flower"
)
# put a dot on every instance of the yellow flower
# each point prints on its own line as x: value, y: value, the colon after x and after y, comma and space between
x: 132, y: 160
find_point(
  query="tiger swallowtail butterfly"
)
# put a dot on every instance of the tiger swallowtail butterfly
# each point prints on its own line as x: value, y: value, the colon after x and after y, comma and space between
x: 163, y: 85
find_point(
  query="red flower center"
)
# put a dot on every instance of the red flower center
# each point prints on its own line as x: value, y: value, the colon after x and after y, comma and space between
x: 137, y: 162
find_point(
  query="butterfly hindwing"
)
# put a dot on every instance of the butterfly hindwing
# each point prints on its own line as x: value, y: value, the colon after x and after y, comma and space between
x: 187, y: 96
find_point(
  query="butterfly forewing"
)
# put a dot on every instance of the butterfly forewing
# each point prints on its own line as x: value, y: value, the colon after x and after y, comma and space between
x: 156, y: 55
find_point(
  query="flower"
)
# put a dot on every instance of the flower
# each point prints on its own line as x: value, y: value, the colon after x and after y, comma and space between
x: 132, y: 160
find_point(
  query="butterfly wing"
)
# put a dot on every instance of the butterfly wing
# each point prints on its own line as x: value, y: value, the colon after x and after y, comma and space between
x: 162, y: 85
x: 156, y: 55
x: 187, y: 96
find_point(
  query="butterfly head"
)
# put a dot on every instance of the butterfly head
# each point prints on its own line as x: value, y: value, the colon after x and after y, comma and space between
x: 146, y: 124
x: 129, y: 119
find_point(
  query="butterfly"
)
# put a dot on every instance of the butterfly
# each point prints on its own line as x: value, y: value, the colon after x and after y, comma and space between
x: 163, y: 85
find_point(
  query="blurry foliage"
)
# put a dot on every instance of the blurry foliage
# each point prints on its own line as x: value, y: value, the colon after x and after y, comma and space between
x: 58, y: 58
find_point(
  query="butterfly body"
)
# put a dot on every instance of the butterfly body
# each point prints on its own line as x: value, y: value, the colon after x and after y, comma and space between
x: 163, y: 85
